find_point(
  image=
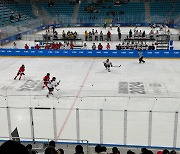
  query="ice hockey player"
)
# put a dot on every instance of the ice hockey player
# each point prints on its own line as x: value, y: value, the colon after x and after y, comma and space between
x: 46, y: 80
x: 107, y: 65
x: 141, y: 56
x: 51, y: 85
x: 20, y: 72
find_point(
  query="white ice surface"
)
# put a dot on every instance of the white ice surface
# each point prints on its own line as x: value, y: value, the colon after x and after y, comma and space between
x: 85, y: 84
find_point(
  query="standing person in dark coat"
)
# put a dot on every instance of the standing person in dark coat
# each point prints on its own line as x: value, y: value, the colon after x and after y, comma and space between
x: 141, y: 56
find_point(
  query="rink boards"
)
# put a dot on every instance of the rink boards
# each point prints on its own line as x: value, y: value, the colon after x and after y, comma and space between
x: 91, y: 53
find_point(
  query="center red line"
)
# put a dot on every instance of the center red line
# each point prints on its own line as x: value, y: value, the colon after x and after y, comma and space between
x: 76, y: 97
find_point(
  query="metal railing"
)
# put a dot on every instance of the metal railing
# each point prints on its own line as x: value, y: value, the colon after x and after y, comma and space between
x: 113, y: 119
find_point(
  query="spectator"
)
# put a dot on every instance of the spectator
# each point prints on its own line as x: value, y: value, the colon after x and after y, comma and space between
x: 165, y: 151
x: 103, y: 149
x: 105, y: 25
x: 118, y: 29
x: 71, y: 45
x: 96, y: 35
x: 140, y: 34
x: 86, y: 35
x: 119, y: 35
x: 93, y: 32
x: 50, y: 150
x: 11, y: 18
x: 14, y: 45
x: 115, y: 150
x: 60, y: 151
x: 90, y: 36
x: 173, y: 152
x: 130, y: 152
x: 118, y: 47
x: 98, y: 148
x: 144, y: 34
x: 146, y: 151
x: 151, y: 34
x: 75, y: 35
x: 130, y: 33
x: 101, y: 36
x: 37, y: 46
x: 26, y: 47
x: 52, y: 143
x: 79, y: 149
x: 108, y: 36
x: 29, y: 147
x: 13, y: 147
x: 84, y: 46
x: 63, y: 34
x: 108, y: 46
x: 159, y: 152
x: 100, y: 47
x: 94, y: 46
x: 47, y: 46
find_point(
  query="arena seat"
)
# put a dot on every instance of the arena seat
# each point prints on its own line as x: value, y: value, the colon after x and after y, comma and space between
x: 7, y: 10
x: 160, y: 11
x: 130, y: 12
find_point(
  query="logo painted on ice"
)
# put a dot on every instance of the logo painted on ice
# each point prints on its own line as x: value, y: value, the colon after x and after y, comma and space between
x: 142, y: 88
x: 31, y: 85
x: 132, y: 88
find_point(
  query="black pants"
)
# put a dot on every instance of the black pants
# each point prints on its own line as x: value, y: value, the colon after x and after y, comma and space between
x: 141, y: 59
x: 106, y: 66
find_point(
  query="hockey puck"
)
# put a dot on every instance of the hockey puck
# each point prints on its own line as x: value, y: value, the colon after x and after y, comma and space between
x: 92, y: 84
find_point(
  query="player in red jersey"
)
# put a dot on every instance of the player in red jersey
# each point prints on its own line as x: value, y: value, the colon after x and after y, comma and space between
x: 20, y: 72
x: 46, y: 80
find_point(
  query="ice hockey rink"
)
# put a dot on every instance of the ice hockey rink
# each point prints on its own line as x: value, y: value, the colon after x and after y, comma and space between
x: 86, y: 85
x: 135, y: 104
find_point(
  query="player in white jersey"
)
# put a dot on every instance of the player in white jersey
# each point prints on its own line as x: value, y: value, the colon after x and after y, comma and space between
x: 107, y: 64
x: 51, y: 85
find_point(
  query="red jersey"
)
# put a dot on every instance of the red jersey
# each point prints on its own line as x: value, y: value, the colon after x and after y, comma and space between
x: 109, y: 34
x: 26, y: 47
x: 100, y: 47
x: 46, y: 78
x: 71, y: 46
x: 21, y: 69
x: 108, y: 47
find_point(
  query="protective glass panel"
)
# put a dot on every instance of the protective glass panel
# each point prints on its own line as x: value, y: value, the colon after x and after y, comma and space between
x: 20, y: 118
x: 90, y: 125
x: 162, y: 129
x: 113, y: 127
x: 137, y: 128
x: 66, y: 124
x: 43, y: 123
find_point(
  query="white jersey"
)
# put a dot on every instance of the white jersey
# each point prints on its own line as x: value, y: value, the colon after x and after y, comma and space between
x: 52, y: 84
x: 107, y: 63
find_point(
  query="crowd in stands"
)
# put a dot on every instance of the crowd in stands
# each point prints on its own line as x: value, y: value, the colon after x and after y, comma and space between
x: 15, y: 17
x: 135, y: 40
x: 65, y: 35
x: 96, y: 36
x: 91, y: 9
x: 14, y: 147
x: 154, y: 33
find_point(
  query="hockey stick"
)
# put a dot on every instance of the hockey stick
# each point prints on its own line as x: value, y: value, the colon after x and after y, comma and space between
x: 117, y: 66
x: 57, y: 85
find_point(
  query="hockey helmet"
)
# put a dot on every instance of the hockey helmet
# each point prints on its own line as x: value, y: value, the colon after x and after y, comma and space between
x: 54, y: 78
x: 48, y: 74
x: 23, y: 65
